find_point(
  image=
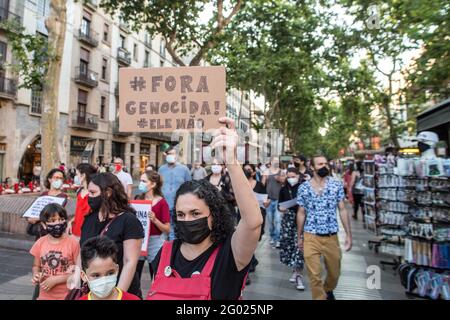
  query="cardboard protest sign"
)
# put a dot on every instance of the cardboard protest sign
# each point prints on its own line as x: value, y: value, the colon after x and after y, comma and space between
x: 35, y: 209
x: 169, y: 99
x: 143, y: 208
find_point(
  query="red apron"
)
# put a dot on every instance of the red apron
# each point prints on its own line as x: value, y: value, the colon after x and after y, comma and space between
x: 169, y: 285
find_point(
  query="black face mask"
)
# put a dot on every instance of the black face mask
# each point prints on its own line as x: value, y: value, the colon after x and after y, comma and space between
x: 57, y: 230
x: 323, y: 172
x: 423, y: 147
x: 193, y: 232
x: 95, y: 203
x: 248, y: 174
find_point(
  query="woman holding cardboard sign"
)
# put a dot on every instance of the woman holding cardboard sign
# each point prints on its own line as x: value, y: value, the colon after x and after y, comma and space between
x: 150, y: 186
x: 210, y: 258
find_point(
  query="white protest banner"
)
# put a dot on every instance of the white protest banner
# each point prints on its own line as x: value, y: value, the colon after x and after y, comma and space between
x: 143, y: 208
x: 171, y: 98
x: 288, y: 204
x: 261, y: 198
x: 35, y: 209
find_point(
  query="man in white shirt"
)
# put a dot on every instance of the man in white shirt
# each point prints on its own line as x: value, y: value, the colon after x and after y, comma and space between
x: 125, y: 178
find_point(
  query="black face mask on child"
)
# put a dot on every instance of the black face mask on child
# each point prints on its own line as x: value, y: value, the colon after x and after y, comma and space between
x: 56, y: 230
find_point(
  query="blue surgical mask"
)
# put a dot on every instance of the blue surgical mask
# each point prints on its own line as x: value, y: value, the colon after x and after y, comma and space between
x: 143, y: 187
x: 171, y: 158
x: 57, y: 184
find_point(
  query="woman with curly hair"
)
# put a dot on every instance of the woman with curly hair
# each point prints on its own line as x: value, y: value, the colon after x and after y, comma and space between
x: 112, y: 216
x: 210, y: 259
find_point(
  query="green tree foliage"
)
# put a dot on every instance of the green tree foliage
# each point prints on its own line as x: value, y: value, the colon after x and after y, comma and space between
x: 179, y: 22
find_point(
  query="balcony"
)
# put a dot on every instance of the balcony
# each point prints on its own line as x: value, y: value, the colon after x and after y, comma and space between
x: 85, y: 121
x: 116, y: 131
x: 85, y: 77
x: 123, y: 56
x: 162, y: 136
x: 124, y: 26
x: 91, y: 4
x: 6, y: 15
x: 8, y: 88
x: 90, y: 37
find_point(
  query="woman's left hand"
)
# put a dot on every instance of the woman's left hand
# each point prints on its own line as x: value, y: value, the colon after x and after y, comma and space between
x: 227, y: 138
x: 152, y: 216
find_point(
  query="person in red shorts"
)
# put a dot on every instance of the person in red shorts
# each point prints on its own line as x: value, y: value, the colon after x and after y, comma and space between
x: 100, y: 270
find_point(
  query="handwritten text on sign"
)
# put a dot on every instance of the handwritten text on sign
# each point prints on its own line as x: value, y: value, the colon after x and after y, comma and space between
x: 143, y: 209
x: 169, y: 99
x: 35, y: 209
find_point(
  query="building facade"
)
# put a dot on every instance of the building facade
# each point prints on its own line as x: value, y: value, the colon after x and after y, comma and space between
x: 96, y: 46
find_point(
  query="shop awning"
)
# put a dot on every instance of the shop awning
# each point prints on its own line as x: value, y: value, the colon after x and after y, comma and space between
x: 434, y: 116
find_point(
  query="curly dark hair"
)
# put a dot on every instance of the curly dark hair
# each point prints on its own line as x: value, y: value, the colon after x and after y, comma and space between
x: 50, y: 175
x: 117, y: 202
x: 222, y: 217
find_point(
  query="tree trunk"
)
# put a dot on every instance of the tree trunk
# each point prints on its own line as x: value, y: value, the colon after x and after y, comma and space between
x: 56, y: 26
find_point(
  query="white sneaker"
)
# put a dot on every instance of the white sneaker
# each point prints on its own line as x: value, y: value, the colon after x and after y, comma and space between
x: 277, y: 245
x: 300, y: 285
x: 293, y: 278
x: 272, y: 241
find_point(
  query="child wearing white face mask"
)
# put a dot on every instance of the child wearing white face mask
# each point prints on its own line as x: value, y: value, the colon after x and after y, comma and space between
x: 100, y: 270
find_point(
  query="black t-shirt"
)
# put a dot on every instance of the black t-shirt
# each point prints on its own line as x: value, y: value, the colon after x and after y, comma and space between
x: 124, y: 227
x: 288, y: 193
x: 226, y: 280
x: 260, y: 188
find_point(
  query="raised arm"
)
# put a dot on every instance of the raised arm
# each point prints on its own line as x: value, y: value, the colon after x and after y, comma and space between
x: 245, y: 238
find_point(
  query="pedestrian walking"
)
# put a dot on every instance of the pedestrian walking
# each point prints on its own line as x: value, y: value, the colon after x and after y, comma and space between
x: 198, y: 172
x: 300, y: 162
x: 210, y: 258
x: 124, y: 177
x: 221, y: 180
x: 356, y: 190
x: 150, y: 188
x: 112, y: 216
x: 100, y: 269
x: 318, y: 201
x: 290, y: 254
x: 173, y: 174
x: 83, y: 175
x: 257, y: 187
x: 54, y: 254
x: 272, y: 179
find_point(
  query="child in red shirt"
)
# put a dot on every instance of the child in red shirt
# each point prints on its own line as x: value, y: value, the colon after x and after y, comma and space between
x: 100, y: 269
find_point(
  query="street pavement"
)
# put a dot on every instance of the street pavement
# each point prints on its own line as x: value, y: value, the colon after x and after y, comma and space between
x: 269, y: 282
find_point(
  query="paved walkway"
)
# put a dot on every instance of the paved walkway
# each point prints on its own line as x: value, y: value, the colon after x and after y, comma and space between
x: 271, y: 279
x: 269, y: 282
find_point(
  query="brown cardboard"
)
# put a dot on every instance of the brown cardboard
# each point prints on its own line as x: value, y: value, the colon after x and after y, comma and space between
x: 171, y: 98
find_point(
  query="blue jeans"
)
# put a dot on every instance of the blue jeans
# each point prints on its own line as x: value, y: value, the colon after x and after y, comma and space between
x: 273, y: 218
